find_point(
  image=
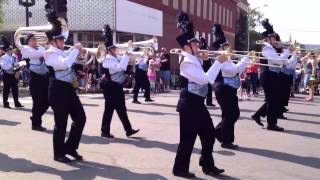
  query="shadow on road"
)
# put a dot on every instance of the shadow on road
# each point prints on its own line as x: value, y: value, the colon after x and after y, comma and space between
x: 8, y: 123
x: 303, y: 134
x: 86, y: 170
x: 154, y: 113
x: 312, y: 162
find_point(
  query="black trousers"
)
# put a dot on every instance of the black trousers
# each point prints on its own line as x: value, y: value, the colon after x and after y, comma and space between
x: 271, y: 107
x: 10, y: 82
x: 228, y: 101
x: 39, y: 92
x: 209, y: 95
x: 64, y: 101
x: 141, y: 81
x: 195, y: 121
x: 114, y: 100
x: 285, y: 88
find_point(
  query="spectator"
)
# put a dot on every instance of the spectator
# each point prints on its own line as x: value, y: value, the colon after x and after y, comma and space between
x: 252, y: 73
x: 165, y: 68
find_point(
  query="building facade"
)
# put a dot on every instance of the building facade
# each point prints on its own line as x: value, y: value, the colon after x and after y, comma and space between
x: 135, y: 20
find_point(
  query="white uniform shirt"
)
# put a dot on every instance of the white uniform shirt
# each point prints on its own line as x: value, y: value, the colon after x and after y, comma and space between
x: 273, y: 57
x: 115, y: 64
x: 293, y: 62
x: 230, y: 69
x: 191, y: 68
x: 59, y: 59
x: 7, y: 62
x: 33, y: 54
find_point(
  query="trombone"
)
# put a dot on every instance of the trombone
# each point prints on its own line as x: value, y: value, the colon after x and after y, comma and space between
x: 213, y: 54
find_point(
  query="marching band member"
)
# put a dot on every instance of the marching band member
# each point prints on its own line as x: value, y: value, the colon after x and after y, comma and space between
x: 226, y: 87
x: 141, y: 78
x: 39, y: 81
x: 62, y: 94
x: 271, y: 81
x: 194, y: 116
x: 114, y: 67
x: 8, y: 63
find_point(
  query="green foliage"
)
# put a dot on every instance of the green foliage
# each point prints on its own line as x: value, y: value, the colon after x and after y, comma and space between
x: 1, y: 13
x: 241, y: 32
x: 255, y: 17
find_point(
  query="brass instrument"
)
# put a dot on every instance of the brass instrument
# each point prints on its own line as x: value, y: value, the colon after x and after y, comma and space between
x: 216, y: 53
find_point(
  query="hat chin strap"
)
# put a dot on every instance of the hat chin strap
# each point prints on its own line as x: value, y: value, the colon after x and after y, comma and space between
x: 192, y: 52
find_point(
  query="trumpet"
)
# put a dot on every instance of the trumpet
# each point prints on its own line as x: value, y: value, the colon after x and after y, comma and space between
x: 213, y: 54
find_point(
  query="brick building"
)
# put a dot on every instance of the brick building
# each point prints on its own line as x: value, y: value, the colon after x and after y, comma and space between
x: 133, y: 19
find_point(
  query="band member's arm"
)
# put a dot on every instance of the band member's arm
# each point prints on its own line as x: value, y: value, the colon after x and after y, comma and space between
x: 62, y: 63
x: 195, y: 74
x: 32, y: 53
x: 274, y: 58
x: 117, y: 67
x: 233, y: 69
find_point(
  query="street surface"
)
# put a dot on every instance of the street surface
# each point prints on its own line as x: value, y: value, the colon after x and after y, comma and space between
x: 293, y: 154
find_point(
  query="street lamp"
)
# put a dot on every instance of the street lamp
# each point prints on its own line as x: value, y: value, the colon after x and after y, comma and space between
x: 249, y: 12
x: 27, y: 4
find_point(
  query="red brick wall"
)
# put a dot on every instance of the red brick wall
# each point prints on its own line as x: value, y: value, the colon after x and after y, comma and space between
x: 202, y: 25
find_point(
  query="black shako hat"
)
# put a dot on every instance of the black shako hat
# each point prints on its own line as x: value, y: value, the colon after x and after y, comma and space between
x: 108, y: 36
x: 269, y: 32
x: 220, y: 39
x: 4, y: 43
x: 56, y: 31
x: 187, y: 34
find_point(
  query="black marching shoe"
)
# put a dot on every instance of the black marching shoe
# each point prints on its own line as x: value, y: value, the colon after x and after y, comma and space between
x: 275, y: 128
x: 149, y: 100
x: 6, y: 105
x: 184, y: 174
x: 62, y: 159
x: 211, y: 104
x: 257, y: 120
x: 229, y: 146
x: 75, y: 155
x: 213, y: 171
x: 107, y: 135
x: 132, y: 132
x: 38, y: 128
x: 18, y: 105
x: 136, y: 102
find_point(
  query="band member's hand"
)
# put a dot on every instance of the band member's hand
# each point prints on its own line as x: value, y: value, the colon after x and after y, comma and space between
x: 223, y: 58
x: 291, y: 48
x: 78, y: 46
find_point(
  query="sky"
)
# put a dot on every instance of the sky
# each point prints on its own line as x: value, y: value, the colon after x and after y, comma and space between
x: 301, y: 19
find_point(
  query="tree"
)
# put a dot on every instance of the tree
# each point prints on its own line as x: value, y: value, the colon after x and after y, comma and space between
x: 241, y: 32
x: 1, y: 13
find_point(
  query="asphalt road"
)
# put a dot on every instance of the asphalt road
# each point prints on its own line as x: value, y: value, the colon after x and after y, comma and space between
x: 293, y: 154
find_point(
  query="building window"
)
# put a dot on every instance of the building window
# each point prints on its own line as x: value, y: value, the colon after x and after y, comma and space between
x: 90, y: 39
x: 197, y: 34
x: 220, y: 14
x: 209, y: 40
x: 215, y: 12
x: 199, y: 8
x: 184, y: 5
x: 191, y: 7
x: 231, y: 19
x: 165, y: 2
x: 224, y: 16
x: 227, y: 19
x: 204, y: 35
x: 205, y: 9
x: 176, y: 4
x: 210, y: 10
